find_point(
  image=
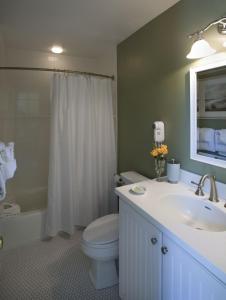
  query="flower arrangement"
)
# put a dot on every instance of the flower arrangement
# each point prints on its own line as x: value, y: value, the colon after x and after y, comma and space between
x: 159, y: 153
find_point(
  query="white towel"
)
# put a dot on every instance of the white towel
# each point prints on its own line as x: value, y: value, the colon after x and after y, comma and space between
x: 11, y: 151
x: 206, y: 135
x: 6, y: 152
x: 8, y: 169
x: 2, y: 186
x: 221, y: 136
x: 7, y: 166
x: 219, y: 140
x: 2, y: 145
x: 220, y: 148
x: 207, y: 146
x: 2, y: 153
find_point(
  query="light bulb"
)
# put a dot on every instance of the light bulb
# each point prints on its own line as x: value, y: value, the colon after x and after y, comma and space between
x: 57, y: 49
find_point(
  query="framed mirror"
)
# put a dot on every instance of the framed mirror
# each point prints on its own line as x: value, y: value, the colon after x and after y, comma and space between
x: 208, y: 114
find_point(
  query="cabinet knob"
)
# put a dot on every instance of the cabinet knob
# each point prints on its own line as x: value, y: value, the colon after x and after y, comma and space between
x: 154, y: 240
x: 164, y: 250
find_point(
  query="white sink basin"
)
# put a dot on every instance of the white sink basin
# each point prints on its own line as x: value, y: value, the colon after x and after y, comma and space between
x: 193, y: 211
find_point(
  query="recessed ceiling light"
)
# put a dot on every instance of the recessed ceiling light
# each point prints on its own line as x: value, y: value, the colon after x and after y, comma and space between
x: 57, y: 49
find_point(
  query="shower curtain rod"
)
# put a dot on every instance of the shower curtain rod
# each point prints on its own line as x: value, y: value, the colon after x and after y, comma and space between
x: 56, y: 70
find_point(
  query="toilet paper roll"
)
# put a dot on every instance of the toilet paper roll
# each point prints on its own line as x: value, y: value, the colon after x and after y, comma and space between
x: 117, y: 179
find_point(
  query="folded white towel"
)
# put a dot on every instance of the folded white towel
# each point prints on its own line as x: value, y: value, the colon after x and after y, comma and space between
x: 206, y: 135
x: 220, y: 136
x: 220, y: 148
x: 206, y: 146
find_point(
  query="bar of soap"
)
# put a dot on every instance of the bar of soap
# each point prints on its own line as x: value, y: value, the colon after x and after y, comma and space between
x: 138, y: 189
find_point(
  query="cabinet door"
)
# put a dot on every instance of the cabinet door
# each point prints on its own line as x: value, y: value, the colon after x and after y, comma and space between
x: 185, y: 279
x: 139, y: 256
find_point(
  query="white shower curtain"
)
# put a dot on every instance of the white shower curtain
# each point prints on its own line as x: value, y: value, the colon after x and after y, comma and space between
x: 82, y: 152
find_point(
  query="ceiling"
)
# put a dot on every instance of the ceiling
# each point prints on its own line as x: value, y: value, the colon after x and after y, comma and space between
x: 87, y: 28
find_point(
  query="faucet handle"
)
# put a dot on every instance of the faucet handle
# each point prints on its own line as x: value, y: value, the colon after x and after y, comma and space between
x: 199, y: 191
x: 195, y: 183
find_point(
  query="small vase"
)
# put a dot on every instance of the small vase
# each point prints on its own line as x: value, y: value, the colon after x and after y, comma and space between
x: 159, y: 167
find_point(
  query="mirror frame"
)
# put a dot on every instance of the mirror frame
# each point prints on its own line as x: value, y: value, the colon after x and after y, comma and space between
x: 193, y: 115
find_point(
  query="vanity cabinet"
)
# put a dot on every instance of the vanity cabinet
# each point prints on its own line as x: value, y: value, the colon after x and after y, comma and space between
x: 140, y: 257
x: 152, y: 266
x: 183, y: 278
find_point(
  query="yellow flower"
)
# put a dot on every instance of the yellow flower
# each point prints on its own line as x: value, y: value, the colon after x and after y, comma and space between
x: 161, y: 150
x: 164, y: 149
x: 154, y: 152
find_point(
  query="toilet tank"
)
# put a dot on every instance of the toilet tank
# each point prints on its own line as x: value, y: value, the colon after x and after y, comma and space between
x: 132, y: 177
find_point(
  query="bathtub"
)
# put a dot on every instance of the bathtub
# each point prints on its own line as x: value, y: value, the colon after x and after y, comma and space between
x: 23, y: 228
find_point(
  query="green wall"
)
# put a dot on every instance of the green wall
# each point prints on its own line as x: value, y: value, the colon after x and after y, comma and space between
x: 153, y: 84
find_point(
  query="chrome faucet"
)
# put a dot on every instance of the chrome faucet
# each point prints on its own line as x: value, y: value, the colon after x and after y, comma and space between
x: 213, y: 189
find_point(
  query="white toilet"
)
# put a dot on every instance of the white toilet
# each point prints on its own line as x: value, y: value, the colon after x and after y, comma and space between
x: 100, y: 243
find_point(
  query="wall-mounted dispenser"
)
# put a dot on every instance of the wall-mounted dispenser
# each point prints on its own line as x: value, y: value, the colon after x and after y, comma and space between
x: 159, y: 132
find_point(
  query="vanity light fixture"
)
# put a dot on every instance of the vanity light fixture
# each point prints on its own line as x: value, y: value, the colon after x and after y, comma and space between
x: 201, y: 47
x: 57, y: 49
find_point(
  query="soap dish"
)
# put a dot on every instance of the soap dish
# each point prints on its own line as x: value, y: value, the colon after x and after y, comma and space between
x: 138, y: 190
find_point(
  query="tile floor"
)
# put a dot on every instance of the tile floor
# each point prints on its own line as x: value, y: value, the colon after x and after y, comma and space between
x: 55, y: 269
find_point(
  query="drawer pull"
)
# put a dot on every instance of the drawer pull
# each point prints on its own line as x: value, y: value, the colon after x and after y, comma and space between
x: 164, y: 250
x: 154, y: 240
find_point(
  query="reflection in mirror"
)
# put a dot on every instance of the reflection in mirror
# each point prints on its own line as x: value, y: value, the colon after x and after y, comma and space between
x: 208, y: 113
x: 211, y: 113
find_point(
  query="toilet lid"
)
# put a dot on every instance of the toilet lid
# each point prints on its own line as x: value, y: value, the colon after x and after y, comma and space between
x: 103, y: 230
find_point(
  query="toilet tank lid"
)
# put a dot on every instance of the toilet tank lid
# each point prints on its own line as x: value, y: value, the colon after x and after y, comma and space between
x: 103, y: 230
x: 132, y: 177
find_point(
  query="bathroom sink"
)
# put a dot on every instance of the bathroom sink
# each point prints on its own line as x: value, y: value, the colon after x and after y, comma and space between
x: 197, y: 213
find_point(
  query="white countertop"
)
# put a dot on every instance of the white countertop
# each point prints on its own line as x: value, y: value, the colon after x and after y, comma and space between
x: 208, y: 247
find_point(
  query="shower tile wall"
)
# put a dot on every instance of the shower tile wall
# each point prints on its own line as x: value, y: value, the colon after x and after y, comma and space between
x: 24, y: 115
x: 25, y: 120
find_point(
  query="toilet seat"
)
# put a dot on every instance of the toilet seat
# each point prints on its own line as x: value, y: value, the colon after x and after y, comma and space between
x: 100, y: 246
x: 102, y: 231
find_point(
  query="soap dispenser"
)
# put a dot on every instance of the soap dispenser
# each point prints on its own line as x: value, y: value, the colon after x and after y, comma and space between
x: 173, y: 171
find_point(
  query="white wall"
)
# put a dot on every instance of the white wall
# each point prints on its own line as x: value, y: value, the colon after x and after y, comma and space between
x: 106, y: 64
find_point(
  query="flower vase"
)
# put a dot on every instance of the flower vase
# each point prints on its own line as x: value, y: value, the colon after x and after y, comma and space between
x: 159, y: 167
